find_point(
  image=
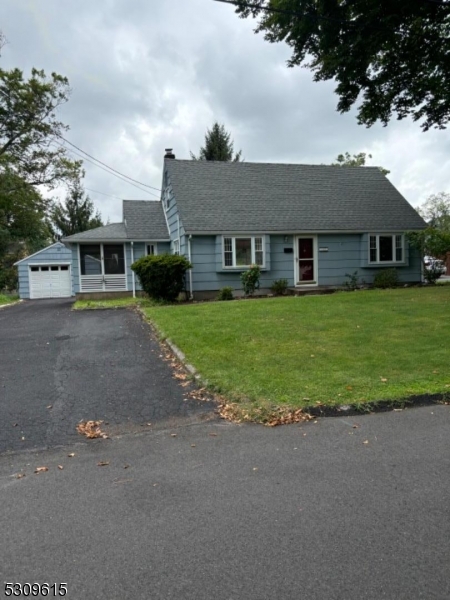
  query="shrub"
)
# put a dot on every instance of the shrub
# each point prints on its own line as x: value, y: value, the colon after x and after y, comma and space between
x: 353, y: 281
x: 250, y: 280
x: 226, y: 293
x: 432, y: 273
x: 387, y: 278
x: 279, y: 286
x: 162, y: 277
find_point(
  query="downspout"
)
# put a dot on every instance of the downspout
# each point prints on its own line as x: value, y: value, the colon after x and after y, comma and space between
x: 132, y: 272
x: 191, y: 295
x: 179, y: 239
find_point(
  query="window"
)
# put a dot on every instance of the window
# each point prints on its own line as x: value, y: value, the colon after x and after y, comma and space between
x: 35, y: 268
x: 243, y: 251
x: 386, y: 248
x: 150, y: 249
x: 176, y: 246
x: 64, y: 268
x: 99, y: 259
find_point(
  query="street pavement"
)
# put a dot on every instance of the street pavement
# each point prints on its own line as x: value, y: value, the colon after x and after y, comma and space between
x: 339, y: 509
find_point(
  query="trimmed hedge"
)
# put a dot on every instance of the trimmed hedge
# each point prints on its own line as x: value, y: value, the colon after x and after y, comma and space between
x: 162, y: 277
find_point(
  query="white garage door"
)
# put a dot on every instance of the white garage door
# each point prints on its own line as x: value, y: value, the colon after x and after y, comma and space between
x: 50, y: 281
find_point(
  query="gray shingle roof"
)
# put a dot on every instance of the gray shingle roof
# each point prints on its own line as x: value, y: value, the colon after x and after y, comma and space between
x: 145, y: 220
x: 259, y: 197
x: 113, y: 231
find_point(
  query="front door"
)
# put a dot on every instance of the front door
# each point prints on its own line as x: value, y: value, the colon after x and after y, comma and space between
x: 306, y: 261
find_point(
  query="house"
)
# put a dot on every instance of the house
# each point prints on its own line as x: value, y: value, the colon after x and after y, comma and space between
x: 310, y: 224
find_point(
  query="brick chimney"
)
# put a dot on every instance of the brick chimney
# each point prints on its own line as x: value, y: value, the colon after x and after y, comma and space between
x: 169, y: 153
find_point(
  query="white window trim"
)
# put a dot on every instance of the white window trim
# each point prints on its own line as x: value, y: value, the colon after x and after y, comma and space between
x: 394, y: 253
x: 176, y: 241
x: 102, y: 261
x: 155, y: 245
x: 233, y: 246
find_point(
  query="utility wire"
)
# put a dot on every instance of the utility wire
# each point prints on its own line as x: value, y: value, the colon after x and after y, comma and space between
x: 102, y: 193
x: 107, y: 171
x: 111, y: 168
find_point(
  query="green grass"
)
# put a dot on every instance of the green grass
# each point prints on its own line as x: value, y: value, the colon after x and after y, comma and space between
x: 110, y: 303
x: 345, y: 348
x: 8, y: 299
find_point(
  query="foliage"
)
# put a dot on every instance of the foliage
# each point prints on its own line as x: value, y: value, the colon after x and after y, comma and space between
x: 76, y: 214
x: 353, y: 282
x: 386, y: 278
x: 24, y: 227
x: 386, y: 54
x: 250, y: 279
x: 30, y: 132
x: 162, y: 277
x: 8, y: 299
x: 436, y: 211
x: 225, y: 293
x: 218, y: 146
x: 279, y: 286
x: 430, y: 242
x: 277, y: 352
x: 357, y: 160
x: 112, y: 303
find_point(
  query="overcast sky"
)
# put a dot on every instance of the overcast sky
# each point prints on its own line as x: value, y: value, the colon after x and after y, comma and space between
x: 152, y: 74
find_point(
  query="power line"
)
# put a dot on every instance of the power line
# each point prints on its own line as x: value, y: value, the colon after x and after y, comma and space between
x: 111, y: 168
x: 107, y: 171
x: 102, y: 193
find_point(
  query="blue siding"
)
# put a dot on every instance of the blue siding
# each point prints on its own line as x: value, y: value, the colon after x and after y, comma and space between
x: 176, y: 228
x: 56, y: 254
x: 346, y: 254
x: 349, y: 253
x: 208, y: 273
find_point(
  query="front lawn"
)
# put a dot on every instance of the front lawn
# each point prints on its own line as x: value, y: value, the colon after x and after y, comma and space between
x: 345, y: 348
x: 8, y: 299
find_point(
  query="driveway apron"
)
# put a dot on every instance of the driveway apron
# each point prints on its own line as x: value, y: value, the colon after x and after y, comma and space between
x: 59, y: 366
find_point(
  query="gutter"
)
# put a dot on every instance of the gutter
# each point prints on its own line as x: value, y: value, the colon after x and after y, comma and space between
x: 132, y: 272
x: 191, y: 295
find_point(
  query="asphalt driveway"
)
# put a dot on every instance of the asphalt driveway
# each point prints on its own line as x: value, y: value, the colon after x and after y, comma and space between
x: 102, y: 365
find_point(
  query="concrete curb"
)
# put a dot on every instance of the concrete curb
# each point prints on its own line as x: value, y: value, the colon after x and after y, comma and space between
x: 11, y: 304
x: 182, y: 358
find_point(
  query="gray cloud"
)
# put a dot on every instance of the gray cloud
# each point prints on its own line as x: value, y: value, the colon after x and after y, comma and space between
x: 149, y: 75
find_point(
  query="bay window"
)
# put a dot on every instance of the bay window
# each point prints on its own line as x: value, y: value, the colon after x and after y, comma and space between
x: 243, y: 251
x: 386, y: 248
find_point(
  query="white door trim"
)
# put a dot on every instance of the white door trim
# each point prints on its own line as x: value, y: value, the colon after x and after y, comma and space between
x: 297, y: 282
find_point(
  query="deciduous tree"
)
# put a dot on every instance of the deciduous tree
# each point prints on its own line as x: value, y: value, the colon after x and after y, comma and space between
x: 389, y: 56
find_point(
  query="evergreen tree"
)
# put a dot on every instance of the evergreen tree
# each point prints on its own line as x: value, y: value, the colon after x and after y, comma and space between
x: 76, y: 214
x: 218, y: 146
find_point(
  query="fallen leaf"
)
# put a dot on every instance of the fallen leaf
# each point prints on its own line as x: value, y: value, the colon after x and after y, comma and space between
x: 41, y: 469
x: 255, y: 468
x: 126, y: 466
x: 71, y: 455
x: 192, y: 445
x: 383, y: 379
x: 60, y: 467
x: 20, y: 475
x: 15, y: 424
x: 91, y: 429
x: 103, y: 463
x: 366, y: 442
x: 349, y: 387
x: 149, y: 424
x: 212, y: 434
x: 50, y: 406
x: 173, y: 435
x: 355, y: 426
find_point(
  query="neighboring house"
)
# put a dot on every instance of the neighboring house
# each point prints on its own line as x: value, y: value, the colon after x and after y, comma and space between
x: 310, y: 224
x: 46, y: 274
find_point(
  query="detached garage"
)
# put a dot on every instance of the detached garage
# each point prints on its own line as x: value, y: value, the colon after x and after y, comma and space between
x: 46, y: 274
